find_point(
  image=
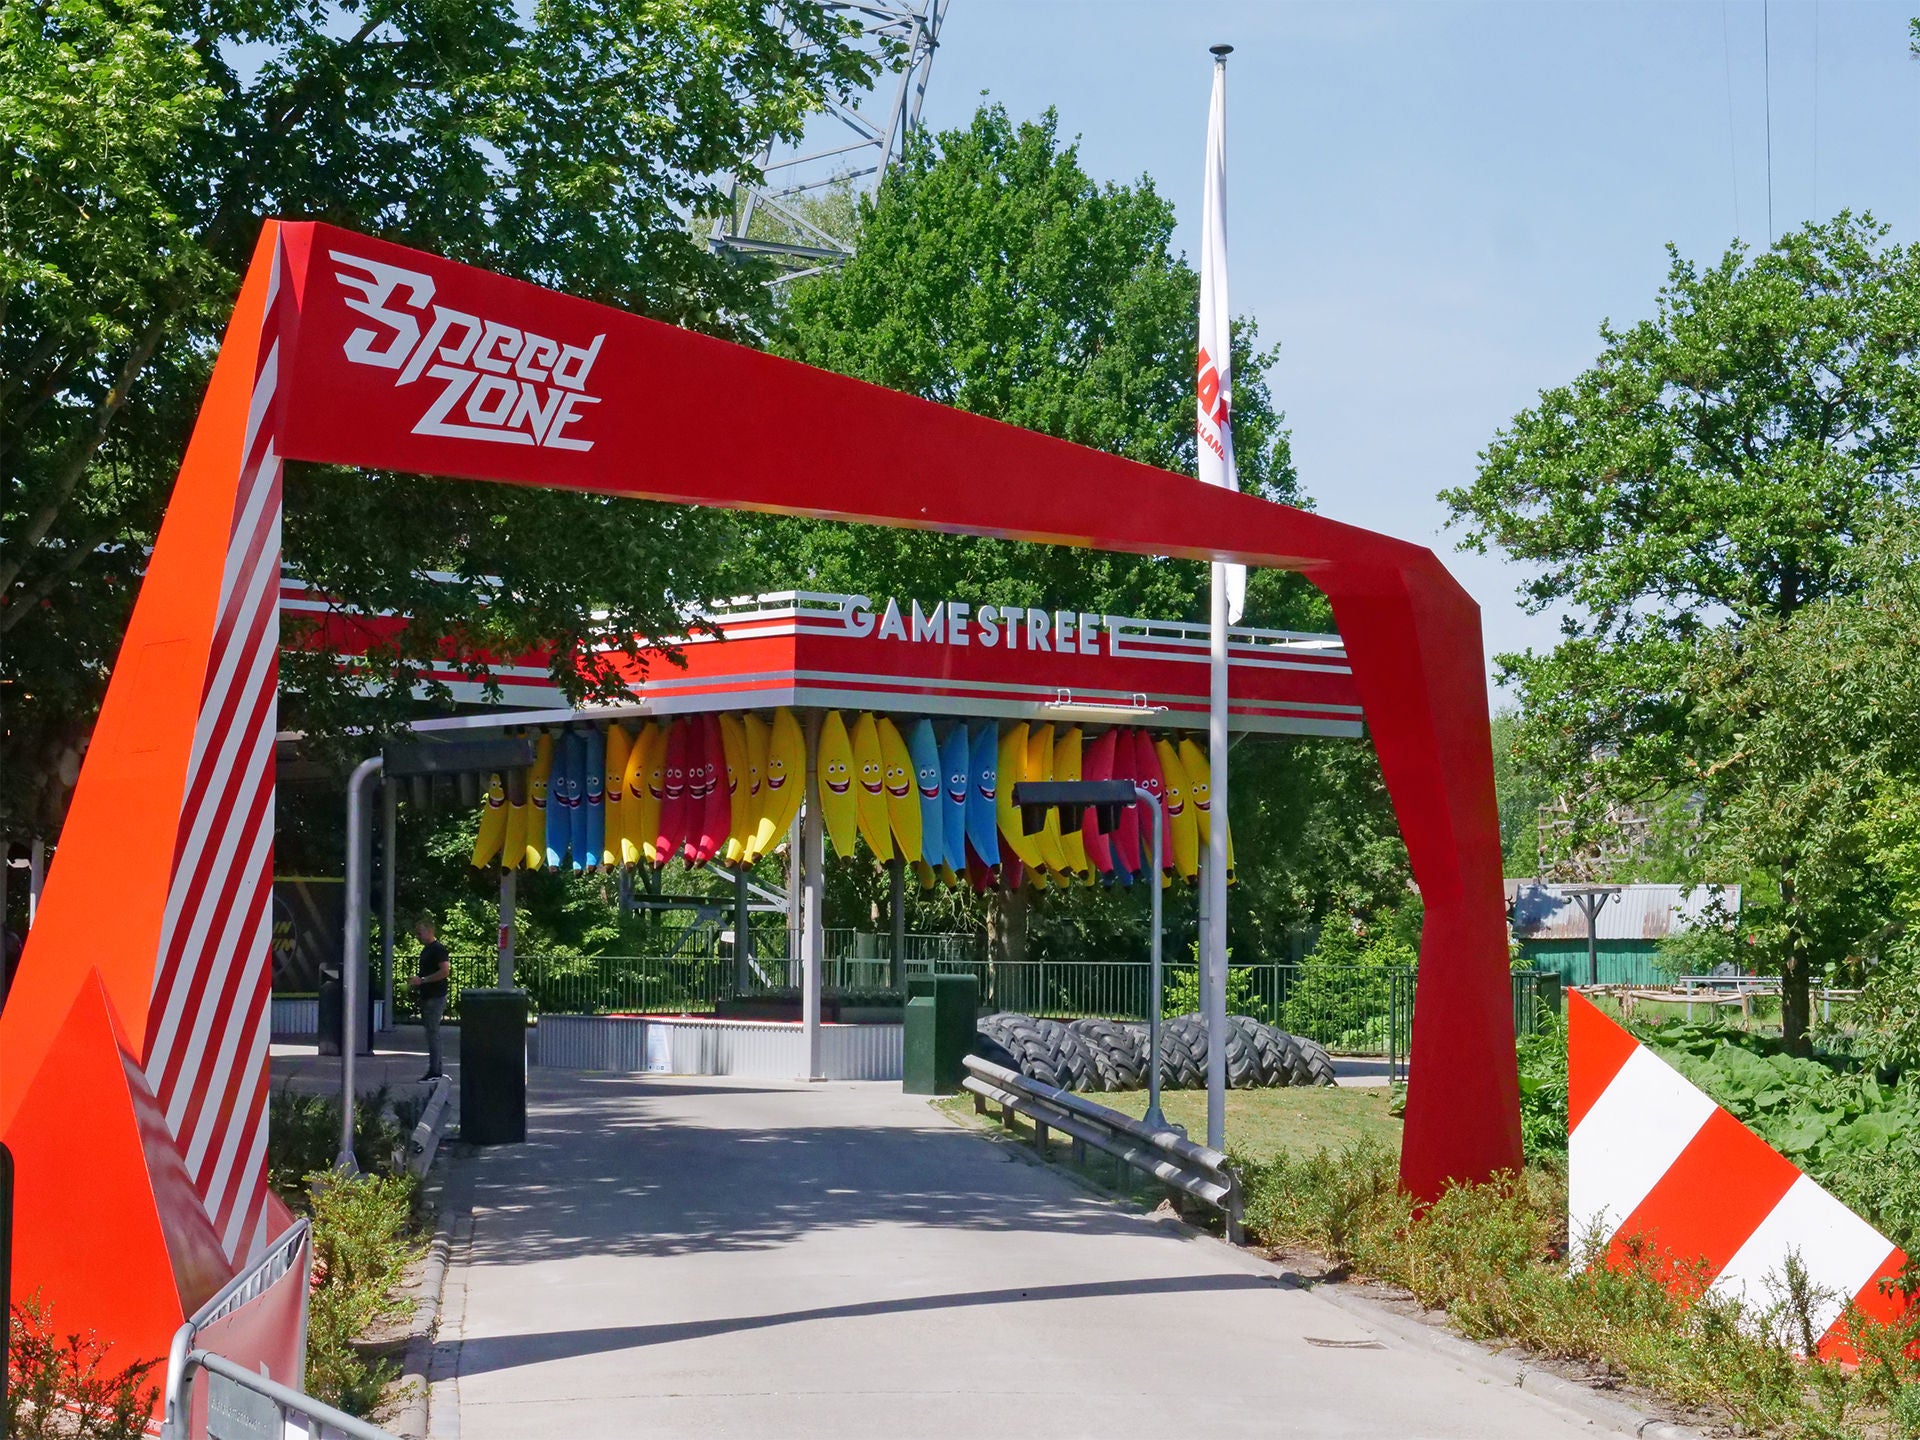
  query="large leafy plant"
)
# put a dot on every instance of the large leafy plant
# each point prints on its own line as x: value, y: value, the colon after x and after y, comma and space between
x: 1855, y: 1133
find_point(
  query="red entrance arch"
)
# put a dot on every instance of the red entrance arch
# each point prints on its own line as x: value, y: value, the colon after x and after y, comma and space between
x: 133, y: 1048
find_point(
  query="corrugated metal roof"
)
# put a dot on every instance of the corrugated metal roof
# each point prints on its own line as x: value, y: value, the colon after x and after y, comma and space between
x: 1539, y: 911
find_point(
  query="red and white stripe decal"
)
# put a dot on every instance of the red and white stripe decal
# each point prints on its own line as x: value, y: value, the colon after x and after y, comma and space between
x: 1651, y: 1160
x: 207, y: 1038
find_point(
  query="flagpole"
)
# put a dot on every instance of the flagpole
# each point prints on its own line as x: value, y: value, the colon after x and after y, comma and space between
x: 1214, y: 878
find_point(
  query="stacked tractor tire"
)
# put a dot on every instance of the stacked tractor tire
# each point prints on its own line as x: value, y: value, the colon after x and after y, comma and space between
x: 1112, y: 1054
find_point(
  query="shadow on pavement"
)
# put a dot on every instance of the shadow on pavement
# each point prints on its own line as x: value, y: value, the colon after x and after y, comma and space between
x: 611, y: 1171
x: 508, y: 1351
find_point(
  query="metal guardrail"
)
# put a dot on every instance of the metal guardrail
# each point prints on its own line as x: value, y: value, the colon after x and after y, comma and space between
x: 243, y: 1404
x: 1166, y: 1155
x: 426, y: 1135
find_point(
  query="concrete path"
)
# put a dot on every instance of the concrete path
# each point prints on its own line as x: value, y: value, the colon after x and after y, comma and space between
x: 715, y: 1258
x: 400, y: 1055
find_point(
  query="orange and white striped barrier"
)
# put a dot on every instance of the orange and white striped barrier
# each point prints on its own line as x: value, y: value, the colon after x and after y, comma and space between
x: 1652, y: 1160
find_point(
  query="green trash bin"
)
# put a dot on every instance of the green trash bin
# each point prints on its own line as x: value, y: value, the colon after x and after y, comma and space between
x: 493, y: 1067
x: 941, y: 1010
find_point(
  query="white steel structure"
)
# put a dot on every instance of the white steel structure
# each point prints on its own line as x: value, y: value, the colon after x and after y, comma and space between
x: 848, y: 143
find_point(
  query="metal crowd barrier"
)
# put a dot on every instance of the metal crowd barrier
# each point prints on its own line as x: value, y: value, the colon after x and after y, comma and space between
x: 1168, y: 1157
x: 249, y: 1285
x: 242, y: 1404
x: 239, y: 1402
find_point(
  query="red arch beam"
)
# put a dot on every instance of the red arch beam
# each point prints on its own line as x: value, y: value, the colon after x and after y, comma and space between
x: 348, y: 350
x: 672, y: 415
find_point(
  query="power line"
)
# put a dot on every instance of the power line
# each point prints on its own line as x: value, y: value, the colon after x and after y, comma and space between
x: 1766, y: 22
x: 1816, y: 109
x: 1733, y: 149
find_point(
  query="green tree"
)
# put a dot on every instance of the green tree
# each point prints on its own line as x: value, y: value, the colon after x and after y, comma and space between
x: 1721, y: 467
x: 994, y: 274
x: 564, y: 141
x: 1520, y: 792
x: 1813, y: 719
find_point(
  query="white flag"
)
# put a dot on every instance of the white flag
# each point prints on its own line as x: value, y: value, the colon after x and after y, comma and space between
x: 1216, y: 349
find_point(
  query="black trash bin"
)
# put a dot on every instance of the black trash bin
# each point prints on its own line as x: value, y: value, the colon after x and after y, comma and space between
x: 493, y: 1066
x: 331, y: 1002
x: 332, y: 1005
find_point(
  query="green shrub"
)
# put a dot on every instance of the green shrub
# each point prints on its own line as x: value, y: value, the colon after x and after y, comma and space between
x: 1906, y: 1412
x: 303, y: 1137
x: 63, y: 1387
x: 1342, y: 994
x: 1543, y: 1091
x: 1495, y: 1258
x: 363, y: 1233
x: 1327, y: 1201
x: 363, y: 1242
x: 1180, y: 993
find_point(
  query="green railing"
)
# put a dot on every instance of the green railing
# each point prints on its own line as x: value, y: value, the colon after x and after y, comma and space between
x: 1351, y: 1009
x: 1359, y: 1010
x: 696, y: 975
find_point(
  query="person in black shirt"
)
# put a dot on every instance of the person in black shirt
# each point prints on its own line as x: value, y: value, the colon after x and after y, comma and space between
x: 431, y: 986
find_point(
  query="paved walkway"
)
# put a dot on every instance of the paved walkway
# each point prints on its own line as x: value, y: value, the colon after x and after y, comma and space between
x: 715, y: 1258
x: 400, y: 1055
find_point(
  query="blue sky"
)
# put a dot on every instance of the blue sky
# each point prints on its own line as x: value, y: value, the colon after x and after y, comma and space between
x: 1433, y: 206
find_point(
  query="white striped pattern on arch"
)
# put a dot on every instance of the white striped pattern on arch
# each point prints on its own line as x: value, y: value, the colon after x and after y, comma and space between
x: 206, y: 1055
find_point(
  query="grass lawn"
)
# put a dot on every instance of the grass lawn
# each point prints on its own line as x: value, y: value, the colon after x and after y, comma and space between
x: 1264, y: 1123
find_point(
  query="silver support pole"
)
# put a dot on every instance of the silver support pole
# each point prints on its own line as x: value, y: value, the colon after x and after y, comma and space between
x: 389, y: 830
x: 1213, y: 989
x: 1203, y: 897
x: 814, y: 941
x: 1154, y: 1117
x: 353, y: 966
x: 509, y: 889
x: 742, y: 933
x: 36, y: 877
x: 796, y: 890
x: 897, y: 903
x: 6, y: 865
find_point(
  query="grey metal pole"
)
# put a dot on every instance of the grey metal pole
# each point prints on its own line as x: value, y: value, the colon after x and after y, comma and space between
x: 389, y: 831
x: 1213, y: 949
x: 1154, y: 1117
x: 5, y: 867
x: 36, y: 877
x: 813, y: 848
x: 509, y: 890
x: 6, y: 1251
x: 742, y: 935
x: 796, y: 892
x: 897, y: 899
x: 1214, y: 875
x: 1591, y: 904
x: 354, y: 964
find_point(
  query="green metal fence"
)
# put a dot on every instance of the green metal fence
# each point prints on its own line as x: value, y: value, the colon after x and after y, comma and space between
x: 694, y: 977
x: 1356, y: 1010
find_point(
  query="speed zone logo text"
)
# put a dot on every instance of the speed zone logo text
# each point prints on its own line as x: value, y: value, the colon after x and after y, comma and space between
x: 497, y: 383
